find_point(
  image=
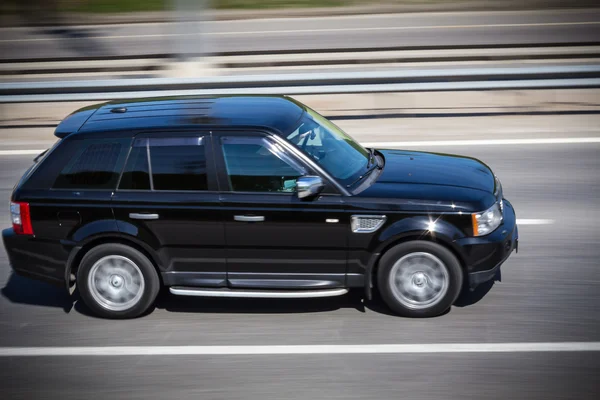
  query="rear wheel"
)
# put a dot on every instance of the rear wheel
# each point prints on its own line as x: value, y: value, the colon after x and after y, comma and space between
x: 419, y: 279
x: 117, y: 281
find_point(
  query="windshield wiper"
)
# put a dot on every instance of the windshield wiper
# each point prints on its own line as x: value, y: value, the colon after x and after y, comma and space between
x: 375, y: 166
x: 371, y: 157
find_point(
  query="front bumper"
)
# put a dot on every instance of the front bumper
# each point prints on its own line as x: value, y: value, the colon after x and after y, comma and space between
x: 485, y: 255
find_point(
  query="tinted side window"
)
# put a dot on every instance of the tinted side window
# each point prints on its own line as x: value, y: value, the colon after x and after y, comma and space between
x: 44, y: 173
x: 175, y: 164
x: 256, y: 165
x: 96, y: 166
x: 178, y: 167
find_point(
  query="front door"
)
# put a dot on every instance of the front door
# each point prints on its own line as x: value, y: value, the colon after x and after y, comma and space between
x: 167, y: 199
x: 274, y: 239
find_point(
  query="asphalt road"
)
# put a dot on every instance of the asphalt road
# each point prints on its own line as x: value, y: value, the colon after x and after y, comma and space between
x: 550, y: 292
x: 348, y: 32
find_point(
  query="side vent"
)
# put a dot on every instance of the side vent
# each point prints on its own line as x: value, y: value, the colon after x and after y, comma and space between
x: 366, y: 223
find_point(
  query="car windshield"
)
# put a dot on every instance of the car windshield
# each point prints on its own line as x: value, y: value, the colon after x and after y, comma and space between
x: 335, y: 151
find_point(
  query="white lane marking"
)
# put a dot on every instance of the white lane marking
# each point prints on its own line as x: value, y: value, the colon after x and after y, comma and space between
x: 279, y: 32
x: 406, y: 28
x: 483, y: 142
x: 526, y: 221
x: 360, y: 17
x: 429, y: 348
x: 19, y: 152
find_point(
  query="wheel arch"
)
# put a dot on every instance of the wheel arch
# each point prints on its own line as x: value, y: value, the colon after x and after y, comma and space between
x: 80, y: 251
x: 372, y: 267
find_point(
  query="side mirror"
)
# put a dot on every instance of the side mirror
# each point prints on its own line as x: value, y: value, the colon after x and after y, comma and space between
x: 309, y: 186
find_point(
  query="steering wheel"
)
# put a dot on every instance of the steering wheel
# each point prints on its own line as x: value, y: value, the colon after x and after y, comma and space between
x: 307, y: 135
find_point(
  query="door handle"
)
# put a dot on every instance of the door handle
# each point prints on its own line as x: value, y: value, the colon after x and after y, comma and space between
x: 249, y: 218
x: 143, y: 216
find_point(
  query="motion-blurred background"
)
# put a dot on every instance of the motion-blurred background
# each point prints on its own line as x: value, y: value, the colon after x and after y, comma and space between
x: 515, y: 83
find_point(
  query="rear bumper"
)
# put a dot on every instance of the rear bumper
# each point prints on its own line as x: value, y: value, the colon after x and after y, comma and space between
x: 485, y: 255
x: 35, y: 258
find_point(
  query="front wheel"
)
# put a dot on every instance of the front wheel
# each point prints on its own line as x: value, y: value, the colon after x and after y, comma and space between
x: 419, y: 279
x: 117, y: 281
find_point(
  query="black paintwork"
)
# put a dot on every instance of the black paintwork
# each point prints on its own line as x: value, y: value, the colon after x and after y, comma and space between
x: 275, y: 113
x: 433, y: 182
x: 196, y: 241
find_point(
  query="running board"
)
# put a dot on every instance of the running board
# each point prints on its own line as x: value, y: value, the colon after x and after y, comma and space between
x: 258, y: 294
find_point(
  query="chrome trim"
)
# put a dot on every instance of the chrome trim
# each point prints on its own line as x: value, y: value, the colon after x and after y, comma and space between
x: 150, y: 175
x: 143, y: 216
x: 249, y: 218
x: 355, y: 223
x: 270, y: 294
x: 309, y: 186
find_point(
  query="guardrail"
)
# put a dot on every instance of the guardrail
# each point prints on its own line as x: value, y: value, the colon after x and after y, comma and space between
x: 539, y: 77
x: 265, y: 63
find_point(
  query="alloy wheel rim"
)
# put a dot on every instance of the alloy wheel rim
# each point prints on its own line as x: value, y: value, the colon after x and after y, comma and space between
x: 116, y: 283
x: 419, y: 280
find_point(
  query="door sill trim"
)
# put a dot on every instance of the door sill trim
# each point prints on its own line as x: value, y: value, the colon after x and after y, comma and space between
x: 259, y: 294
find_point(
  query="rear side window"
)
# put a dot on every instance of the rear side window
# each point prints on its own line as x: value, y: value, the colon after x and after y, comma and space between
x: 166, y: 164
x: 95, y: 165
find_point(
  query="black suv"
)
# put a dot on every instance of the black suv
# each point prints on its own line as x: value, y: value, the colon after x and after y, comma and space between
x: 250, y: 196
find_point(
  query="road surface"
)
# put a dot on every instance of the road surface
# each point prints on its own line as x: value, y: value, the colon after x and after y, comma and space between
x: 550, y: 293
x: 321, y: 34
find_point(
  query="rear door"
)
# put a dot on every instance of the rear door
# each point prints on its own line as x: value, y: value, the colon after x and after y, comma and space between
x: 167, y: 199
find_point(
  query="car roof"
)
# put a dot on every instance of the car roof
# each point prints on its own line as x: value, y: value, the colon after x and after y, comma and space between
x: 277, y: 113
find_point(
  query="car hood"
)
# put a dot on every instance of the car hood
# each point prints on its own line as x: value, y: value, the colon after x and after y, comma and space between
x: 413, y: 167
x: 413, y: 181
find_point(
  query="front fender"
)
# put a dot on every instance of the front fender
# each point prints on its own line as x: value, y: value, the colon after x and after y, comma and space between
x: 421, y: 227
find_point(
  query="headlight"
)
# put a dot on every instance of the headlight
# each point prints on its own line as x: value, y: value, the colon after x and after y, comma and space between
x: 498, y: 187
x: 487, y: 221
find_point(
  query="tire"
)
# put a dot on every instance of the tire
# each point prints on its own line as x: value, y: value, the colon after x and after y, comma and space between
x: 117, y: 281
x: 419, y: 279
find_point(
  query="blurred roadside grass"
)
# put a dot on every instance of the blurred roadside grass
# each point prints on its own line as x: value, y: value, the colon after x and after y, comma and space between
x: 158, y: 5
x: 116, y: 6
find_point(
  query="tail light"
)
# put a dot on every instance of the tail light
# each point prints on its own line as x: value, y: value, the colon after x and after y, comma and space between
x: 21, y: 218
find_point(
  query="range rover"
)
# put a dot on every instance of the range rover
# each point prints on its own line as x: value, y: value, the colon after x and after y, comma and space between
x: 250, y: 196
